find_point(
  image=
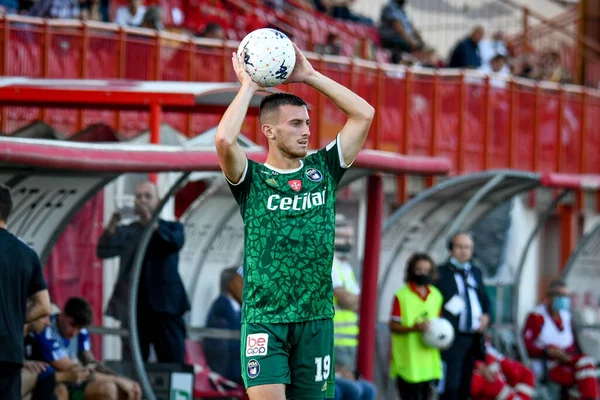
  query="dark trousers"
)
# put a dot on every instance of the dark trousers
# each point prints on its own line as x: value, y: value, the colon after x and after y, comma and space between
x: 10, y: 380
x: 460, y: 362
x: 413, y: 391
x: 165, y: 332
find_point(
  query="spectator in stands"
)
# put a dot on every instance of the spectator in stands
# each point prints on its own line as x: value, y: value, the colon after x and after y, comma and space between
x: 346, y: 297
x: 332, y: 46
x: 396, y: 30
x: 153, y: 19
x: 65, y: 344
x: 162, y: 299
x: 91, y: 10
x: 38, y: 377
x: 467, y: 307
x: 499, y: 377
x: 490, y: 48
x: 414, y: 365
x: 340, y: 9
x: 23, y: 298
x: 466, y: 52
x: 550, y: 340
x: 552, y: 70
x: 212, y: 30
x: 62, y: 9
x: 130, y: 15
x: 222, y: 355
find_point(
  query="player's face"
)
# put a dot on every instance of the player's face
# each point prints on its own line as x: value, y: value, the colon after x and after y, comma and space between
x: 462, y: 249
x: 146, y: 197
x: 292, y: 131
x: 67, y: 328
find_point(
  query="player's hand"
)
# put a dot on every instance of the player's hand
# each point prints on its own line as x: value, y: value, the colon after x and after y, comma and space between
x: 558, y: 355
x: 37, y: 367
x: 131, y: 388
x: 78, y: 375
x: 114, y: 221
x: 484, y: 320
x: 241, y: 73
x: 302, y: 70
x: 421, y: 326
x: 487, y: 374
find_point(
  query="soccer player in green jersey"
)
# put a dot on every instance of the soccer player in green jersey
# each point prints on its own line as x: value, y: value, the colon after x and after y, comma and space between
x: 288, y: 208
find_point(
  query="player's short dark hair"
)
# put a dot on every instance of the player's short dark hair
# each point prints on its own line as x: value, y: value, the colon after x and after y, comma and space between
x: 555, y: 286
x: 412, y: 265
x: 80, y: 310
x: 5, y: 203
x: 274, y: 101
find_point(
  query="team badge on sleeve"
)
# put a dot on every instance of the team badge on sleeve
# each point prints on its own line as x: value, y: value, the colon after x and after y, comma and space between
x: 314, y: 175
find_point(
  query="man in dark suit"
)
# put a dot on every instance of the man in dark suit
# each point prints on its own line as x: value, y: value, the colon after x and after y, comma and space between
x: 467, y: 307
x: 162, y: 299
x: 223, y: 355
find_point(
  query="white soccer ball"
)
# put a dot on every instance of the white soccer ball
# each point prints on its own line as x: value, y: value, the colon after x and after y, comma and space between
x: 269, y: 56
x: 439, y: 334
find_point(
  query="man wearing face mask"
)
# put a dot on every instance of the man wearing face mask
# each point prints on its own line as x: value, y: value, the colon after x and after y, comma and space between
x: 414, y: 365
x: 467, y: 307
x: 549, y: 339
x: 346, y: 293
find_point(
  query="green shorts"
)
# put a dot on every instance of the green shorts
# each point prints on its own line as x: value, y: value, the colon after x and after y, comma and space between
x: 299, y: 355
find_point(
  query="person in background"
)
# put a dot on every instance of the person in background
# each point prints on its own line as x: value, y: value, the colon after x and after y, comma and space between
x: 550, y: 340
x: 222, y: 355
x: 396, y: 30
x: 466, y: 52
x: 499, y: 377
x: 346, y: 292
x: 467, y: 307
x: 213, y: 30
x: 23, y: 298
x: 65, y: 345
x: 162, y: 299
x: 130, y: 15
x: 415, y: 366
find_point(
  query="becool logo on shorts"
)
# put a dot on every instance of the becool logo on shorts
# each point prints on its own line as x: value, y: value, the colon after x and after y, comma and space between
x: 253, y: 369
x: 257, y: 344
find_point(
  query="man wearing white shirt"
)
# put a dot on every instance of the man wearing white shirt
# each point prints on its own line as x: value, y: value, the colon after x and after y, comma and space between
x: 467, y: 307
x: 130, y: 15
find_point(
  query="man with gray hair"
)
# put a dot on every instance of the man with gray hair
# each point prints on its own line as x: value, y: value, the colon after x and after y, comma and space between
x: 223, y: 355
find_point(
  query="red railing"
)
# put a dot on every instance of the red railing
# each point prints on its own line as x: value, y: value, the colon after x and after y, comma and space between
x: 475, y: 121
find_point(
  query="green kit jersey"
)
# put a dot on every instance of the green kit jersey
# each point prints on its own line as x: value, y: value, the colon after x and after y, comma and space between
x: 289, y: 228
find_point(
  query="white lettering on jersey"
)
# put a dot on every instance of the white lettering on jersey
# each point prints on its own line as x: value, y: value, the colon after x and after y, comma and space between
x: 297, y: 203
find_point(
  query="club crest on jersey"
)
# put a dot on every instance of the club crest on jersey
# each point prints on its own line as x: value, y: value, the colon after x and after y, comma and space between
x: 253, y: 369
x: 314, y: 175
x: 295, y: 184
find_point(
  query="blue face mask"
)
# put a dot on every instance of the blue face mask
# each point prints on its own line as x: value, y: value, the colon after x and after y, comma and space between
x: 561, y: 303
x: 457, y: 264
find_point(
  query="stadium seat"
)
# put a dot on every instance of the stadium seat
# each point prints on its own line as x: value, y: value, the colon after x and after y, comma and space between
x: 208, y: 384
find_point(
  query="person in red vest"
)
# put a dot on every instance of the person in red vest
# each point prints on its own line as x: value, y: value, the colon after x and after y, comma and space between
x: 549, y: 338
x: 501, y: 378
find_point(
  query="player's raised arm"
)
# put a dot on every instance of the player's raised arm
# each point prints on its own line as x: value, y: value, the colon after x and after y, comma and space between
x: 359, y: 112
x: 231, y: 155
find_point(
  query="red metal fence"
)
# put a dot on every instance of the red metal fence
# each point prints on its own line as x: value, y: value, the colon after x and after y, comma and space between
x: 475, y: 121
